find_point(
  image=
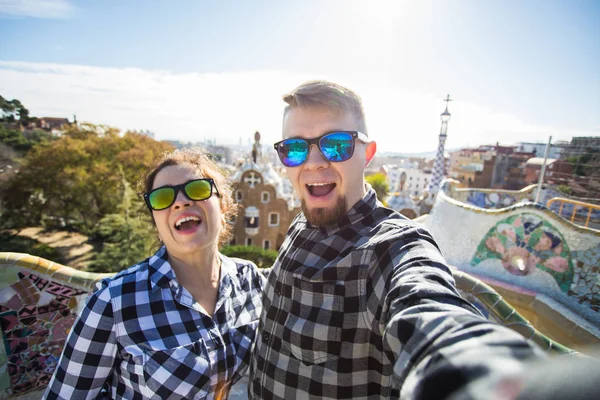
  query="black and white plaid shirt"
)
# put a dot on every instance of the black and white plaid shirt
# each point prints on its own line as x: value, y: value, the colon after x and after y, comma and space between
x: 368, y: 309
x: 141, y: 335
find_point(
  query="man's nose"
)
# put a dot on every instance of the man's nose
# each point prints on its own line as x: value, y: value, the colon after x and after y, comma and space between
x: 315, y: 159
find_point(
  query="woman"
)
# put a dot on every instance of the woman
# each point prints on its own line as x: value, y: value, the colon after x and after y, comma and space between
x: 181, y: 323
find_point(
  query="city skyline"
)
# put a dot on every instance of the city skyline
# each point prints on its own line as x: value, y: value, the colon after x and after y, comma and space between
x: 517, y: 71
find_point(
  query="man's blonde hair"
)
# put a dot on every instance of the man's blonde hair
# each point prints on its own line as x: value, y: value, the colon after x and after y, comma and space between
x: 320, y: 93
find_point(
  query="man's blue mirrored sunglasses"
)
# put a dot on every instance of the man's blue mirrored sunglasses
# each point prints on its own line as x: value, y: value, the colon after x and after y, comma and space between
x: 335, y: 146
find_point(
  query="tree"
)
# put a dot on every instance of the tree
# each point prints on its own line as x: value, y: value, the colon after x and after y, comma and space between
x: 585, y: 164
x: 15, y: 138
x: 10, y: 108
x: 380, y: 184
x: 79, y: 177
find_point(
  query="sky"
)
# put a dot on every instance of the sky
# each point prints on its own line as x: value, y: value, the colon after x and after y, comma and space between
x: 516, y: 70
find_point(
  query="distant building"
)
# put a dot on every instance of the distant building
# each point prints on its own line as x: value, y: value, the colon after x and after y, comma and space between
x: 400, y: 197
x: 557, y: 171
x: 473, y: 168
x: 267, y: 203
x: 539, y: 149
x: 509, y: 171
x: 220, y: 153
x: 584, y: 144
x: 417, y: 177
x: 51, y: 124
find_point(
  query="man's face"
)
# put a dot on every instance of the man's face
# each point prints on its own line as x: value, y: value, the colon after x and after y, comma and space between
x: 327, y: 190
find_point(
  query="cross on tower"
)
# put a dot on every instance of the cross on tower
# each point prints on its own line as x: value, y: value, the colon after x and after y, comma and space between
x: 252, y: 179
x: 447, y: 100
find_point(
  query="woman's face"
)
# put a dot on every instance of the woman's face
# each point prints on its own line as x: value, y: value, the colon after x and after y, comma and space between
x: 187, y: 226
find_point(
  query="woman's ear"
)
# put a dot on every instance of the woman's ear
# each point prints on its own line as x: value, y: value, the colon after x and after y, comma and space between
x: 370, y: 152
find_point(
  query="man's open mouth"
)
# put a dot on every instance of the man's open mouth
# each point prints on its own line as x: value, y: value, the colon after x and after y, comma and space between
x: 320, y: 189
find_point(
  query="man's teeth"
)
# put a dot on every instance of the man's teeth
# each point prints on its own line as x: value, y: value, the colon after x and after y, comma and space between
x: 186, y: 219
x: 318, y: 184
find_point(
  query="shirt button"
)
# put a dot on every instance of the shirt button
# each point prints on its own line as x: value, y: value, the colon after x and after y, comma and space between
x: 278, y: 292
x: 265, y: 337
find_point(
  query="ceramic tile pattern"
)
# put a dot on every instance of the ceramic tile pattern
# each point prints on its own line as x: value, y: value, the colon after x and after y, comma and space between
x: 491, y: 198
x: 523, y: 242
x: 524, y: 246
x: 39, y: 301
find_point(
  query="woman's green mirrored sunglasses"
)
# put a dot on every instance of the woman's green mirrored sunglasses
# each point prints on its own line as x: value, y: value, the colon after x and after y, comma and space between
x: 164, y: 196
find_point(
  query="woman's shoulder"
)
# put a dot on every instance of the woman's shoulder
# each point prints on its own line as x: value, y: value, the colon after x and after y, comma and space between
x: 135, y: 273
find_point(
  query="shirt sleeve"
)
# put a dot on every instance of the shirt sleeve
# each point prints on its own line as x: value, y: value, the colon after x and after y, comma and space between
x: 439, y: 342
x: 89, y: 353
x: 256, y: 282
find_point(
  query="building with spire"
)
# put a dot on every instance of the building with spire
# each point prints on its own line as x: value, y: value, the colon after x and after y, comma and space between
x: 266, y: 199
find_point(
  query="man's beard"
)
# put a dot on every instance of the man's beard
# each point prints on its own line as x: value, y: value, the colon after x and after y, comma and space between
x: 326, y: 216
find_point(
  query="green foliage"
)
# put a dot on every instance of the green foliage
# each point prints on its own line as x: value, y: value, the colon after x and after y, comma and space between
x: 564, y: 189
x: 261, y: 257
x: 125, y: 242
x: 81, y: 177
x: 585, y: 164
x: 15, y: 138
x: 19, y: 244
x: 380, y: 184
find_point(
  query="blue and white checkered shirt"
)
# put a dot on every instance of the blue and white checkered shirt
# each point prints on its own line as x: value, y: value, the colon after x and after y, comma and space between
x: 368, y: 309
x: 141, y: 335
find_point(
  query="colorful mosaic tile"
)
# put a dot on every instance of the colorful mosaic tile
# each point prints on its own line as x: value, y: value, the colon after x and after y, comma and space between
x: 36, y: 318
x: 8, y: 276
x: 491, y: 200
x: 586, y: 282
x: 525, y: 242
x: 26, y: 290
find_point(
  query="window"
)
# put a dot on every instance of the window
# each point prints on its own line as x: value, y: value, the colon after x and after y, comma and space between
x: 251, y: 217
x: 265, y: 197
x: 238, y: 195
x: 248, y: 241
x: 274, y: 219
x: 267, y: 244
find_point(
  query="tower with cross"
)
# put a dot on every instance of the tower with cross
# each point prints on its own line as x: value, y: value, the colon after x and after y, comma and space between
x: 266, y: 202
x: 439, y: 164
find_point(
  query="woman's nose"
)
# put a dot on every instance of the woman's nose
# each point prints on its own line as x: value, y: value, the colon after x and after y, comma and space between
x: 181, y: 200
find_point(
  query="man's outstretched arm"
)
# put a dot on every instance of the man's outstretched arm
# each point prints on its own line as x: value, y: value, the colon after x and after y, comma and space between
x: 440, y: 343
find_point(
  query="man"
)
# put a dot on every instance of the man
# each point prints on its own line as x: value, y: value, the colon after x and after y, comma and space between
x: 360, y: 303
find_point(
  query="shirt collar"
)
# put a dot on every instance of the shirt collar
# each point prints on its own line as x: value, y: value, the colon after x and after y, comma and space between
x: 360, y: 210
x: 161, y: 272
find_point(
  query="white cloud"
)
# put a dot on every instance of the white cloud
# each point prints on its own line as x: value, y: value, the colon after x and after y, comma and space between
x: 231, y: 106
x: 37, y: 8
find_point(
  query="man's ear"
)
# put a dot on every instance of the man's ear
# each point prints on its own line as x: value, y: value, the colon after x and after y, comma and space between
x: 370, y: 152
